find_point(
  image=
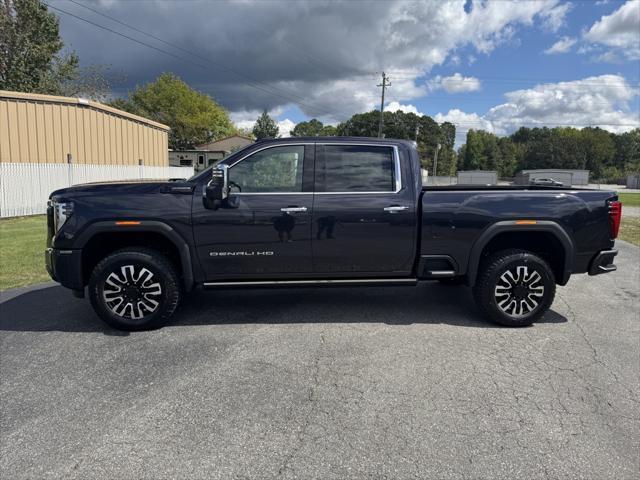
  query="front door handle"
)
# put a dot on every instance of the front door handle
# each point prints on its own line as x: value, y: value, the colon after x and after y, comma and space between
x: 395, y: 209
x: 293, y: 209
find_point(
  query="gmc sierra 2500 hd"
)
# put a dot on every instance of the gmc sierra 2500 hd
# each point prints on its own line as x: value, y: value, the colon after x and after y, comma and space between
x: 323, y: 211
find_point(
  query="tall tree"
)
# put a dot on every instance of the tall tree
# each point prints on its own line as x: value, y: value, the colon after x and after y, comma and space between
x: 194, y: 117
x: 265, y: 127
x: 628, y: 151
x: 30, y: 46
x: 31, y: 56
x: 313, y: 128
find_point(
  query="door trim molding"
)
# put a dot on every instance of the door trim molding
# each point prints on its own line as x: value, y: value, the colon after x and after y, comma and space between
x: 326, y: 281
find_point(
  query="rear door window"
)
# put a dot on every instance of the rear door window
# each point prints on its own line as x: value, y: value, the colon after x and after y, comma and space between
x: 356, y: 168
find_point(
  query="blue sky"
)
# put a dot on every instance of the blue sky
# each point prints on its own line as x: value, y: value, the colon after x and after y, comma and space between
x: 522, y: 63
x: 492, y: 64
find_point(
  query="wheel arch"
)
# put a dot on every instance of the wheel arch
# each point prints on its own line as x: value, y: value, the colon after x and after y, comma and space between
x: 513, y: 234
x: 143, y: 233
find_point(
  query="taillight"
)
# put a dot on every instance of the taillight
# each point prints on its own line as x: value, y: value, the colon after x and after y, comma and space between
x: 615, y: 215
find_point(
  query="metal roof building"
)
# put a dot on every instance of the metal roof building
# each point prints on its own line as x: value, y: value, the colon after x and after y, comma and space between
x: 49, y: 142
x: 47, y: 129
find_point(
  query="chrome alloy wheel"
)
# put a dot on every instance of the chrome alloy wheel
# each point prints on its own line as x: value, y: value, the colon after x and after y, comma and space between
x: 518, y: 291
x: 132, y: 292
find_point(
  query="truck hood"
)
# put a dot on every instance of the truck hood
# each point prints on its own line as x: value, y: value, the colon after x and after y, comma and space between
x: 120, y: 187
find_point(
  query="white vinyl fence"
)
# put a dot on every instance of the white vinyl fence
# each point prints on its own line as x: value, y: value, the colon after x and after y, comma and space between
x: 25, y: 187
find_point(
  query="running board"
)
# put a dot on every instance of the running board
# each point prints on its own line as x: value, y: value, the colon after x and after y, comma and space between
x: 314, y: 283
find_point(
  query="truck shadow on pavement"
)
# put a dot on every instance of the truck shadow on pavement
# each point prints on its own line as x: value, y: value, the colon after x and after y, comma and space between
x: 55, y: 309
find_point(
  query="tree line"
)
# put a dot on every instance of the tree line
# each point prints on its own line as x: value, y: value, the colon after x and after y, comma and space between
x: 609, y: 156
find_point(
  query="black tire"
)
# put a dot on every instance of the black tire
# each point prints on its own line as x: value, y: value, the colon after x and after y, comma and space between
x: 150, y: 292
x: 514, y: 276
x: 451, y: 281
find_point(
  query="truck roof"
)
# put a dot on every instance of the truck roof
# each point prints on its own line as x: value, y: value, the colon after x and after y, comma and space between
x: 384, y: 141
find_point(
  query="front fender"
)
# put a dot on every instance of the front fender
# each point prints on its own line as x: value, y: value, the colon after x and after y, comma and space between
x: 144, y: 226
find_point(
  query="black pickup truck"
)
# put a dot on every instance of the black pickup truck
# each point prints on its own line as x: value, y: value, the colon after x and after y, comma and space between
x: 319, y: 212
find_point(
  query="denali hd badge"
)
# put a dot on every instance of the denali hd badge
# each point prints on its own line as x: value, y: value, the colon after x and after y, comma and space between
x: 240, y: 254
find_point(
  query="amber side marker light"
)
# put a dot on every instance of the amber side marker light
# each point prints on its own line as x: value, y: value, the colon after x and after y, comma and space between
x: 526, y: 222
x: 124, y: 223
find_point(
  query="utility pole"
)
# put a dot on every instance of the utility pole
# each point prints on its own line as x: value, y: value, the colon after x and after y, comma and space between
x: 417, y: 132
x: 385, y: 83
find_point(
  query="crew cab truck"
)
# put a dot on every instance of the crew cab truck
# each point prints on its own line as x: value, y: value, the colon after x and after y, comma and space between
x: 318, y: 212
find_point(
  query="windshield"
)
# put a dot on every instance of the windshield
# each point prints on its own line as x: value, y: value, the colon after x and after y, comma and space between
x: 207, y: 171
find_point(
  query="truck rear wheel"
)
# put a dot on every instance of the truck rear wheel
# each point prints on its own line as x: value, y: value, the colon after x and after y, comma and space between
x: 515, y: 288
x: 134, y: 289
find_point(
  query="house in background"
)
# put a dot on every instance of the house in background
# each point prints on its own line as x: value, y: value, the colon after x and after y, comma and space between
x: 227, y: 144
x: 208, y: 154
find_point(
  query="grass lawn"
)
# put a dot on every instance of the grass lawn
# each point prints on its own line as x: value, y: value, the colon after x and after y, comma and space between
x: 629, y: 199
x: 22, y: 244
x: 630, y: 229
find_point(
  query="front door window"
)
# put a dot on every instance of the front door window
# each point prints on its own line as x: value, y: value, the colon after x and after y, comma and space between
x: 273, y: 170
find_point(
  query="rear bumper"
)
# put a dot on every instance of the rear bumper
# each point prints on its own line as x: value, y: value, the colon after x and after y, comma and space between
x: 65, y: 266
x: 603, y: 262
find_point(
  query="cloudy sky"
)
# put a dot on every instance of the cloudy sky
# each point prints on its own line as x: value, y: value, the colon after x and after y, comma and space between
x: 492, y: 64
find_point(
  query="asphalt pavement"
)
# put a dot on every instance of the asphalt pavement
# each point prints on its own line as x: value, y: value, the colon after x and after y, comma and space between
x: 325, y: 383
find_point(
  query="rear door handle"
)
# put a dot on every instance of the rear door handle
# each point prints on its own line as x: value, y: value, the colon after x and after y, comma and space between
x: 395, y: 209
x: 293, y: 209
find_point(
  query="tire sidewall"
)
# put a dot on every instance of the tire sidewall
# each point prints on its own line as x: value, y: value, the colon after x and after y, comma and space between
x: 507, y: 263
x: 113, y: 263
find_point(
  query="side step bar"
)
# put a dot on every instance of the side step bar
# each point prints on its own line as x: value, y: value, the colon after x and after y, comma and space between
x: 368, y: 282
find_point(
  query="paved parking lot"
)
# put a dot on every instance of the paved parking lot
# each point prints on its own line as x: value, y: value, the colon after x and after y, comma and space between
x: 326, y: 383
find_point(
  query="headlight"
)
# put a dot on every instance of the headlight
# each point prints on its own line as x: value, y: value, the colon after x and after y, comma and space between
x: 61, y: 213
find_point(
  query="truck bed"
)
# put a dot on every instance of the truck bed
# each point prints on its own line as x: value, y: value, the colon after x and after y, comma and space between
x: 503, y: 188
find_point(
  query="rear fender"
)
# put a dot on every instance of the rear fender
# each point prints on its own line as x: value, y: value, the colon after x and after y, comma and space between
x: 513, y: 226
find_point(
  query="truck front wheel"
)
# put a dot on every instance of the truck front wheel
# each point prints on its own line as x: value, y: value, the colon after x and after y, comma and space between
x: 134, y: 289
x: 515, y: 288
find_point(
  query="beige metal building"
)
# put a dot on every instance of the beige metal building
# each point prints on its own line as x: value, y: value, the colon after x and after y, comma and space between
x: 48, y: 143
x: 47, y: 129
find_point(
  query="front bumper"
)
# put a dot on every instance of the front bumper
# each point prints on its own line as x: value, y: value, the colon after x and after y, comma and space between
x: 65, y: 266
x: 603, y: 262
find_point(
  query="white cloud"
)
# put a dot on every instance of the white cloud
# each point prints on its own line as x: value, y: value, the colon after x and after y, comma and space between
x: 555, y: 17
x: 603, y: 101
x: 619, y: 30
x: 610, y: 56
x: 561, y: 46
x: 454, y: 60
x: 456, y: 83
x: 465, y: 122
x: 284, y: 127
x: 395, y: 106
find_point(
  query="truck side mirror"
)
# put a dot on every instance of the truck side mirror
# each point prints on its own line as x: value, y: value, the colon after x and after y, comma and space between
x: 217, y: 190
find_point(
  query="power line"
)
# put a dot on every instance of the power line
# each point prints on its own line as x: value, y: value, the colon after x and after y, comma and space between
x: 124, y: 35
x: 250, y: 82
